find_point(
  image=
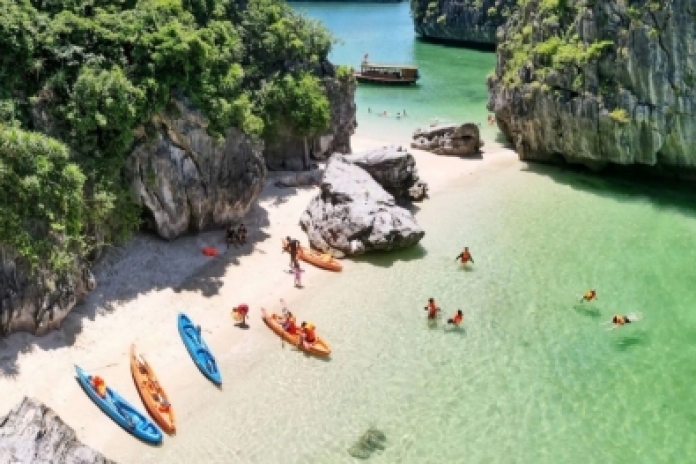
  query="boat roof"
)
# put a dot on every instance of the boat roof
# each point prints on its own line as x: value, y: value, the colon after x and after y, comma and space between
x: 398, y: 66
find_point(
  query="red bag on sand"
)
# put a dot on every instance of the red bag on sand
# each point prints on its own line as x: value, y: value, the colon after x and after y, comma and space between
x: 210, y: 251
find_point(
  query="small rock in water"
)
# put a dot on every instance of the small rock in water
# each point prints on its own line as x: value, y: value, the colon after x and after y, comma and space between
x: 372, y: 440
x: 357, y: 452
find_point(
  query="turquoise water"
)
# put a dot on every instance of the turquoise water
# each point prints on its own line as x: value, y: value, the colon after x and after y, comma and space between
x: 534, y: 376
x: 453, y: 83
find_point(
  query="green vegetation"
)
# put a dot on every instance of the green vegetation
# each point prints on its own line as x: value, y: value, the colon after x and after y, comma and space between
x: 100, y: 71
x: 619, y: 115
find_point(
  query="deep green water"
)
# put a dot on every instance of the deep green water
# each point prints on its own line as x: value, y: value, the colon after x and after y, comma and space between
x: 453, y: 83
x: 534, y: 377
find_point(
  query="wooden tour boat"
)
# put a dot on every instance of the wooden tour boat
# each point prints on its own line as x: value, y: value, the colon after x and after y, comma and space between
x: 387, y: 73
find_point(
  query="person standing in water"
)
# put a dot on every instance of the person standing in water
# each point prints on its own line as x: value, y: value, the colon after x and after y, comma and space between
x: 432, y: 309
x: 465, y: 256
x: 457, y: 319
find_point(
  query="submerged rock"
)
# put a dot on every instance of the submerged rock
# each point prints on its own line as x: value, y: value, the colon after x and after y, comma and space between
x: 370, y: 441
x: 33, y: 434
x: 188, y: 180
x: 393, y: 168
x: 354, y: 214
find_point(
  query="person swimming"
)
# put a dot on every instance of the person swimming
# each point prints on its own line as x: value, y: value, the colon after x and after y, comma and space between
x: 618, y: 320
x: 589, y: 296
x: 457, y: 319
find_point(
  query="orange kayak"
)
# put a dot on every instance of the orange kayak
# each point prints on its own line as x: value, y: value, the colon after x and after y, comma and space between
x: 318, y: 259
x: 319, y: 347
x: 153, y: 395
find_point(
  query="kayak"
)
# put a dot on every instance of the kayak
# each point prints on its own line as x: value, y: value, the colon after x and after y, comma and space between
x: 151, y: 392
x: 319, y: 347
x: 320, y: 260
x: 121, y: 411
x: 198, y: 350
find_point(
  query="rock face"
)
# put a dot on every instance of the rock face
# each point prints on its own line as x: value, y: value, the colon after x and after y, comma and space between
x: 599, y: 82
x: 449, y: 140
x: 354, y: 214
x: 299, y: 178
x: 393, y: 168
x: 37, y: 302
x: 33, y: 434
x: 188, y: 181
x: 288, y: 152
x: 464, y: 21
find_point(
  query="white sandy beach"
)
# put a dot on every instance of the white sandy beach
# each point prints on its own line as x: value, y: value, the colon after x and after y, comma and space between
x: 141, y: 288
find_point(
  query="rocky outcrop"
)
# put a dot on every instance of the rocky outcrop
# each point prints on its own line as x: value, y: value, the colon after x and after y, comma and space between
x: 297, y: 178
x: 36, y: 300
x: 599, y: 82
x: 464, y: 21
x: 449, y: 140
x: 393, y: 168
x: 33, y: 434
x: 188, y: 180
x: 290, y: 152
x: 354, y: 214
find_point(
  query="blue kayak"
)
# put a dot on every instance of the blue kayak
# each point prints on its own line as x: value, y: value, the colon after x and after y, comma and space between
x: 121, y: 411
x: 198, y: 350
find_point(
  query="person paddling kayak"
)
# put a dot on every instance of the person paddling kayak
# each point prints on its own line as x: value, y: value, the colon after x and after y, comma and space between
x: 465, y: 256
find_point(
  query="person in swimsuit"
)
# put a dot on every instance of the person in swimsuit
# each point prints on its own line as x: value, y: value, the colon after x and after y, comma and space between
x: 620, y: 320
x: 432, y: 309
x: 457, y: 319
x: 589, y: 296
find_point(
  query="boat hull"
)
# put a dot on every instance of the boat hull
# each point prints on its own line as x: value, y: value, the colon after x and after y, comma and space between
x: 148, y: 386
x: 114, y: 406
x: 382, y: 80
x: 198, y: 350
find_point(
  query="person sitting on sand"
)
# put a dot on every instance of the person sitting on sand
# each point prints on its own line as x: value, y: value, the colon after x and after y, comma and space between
x: 465, y: 256
x: 457, y: 319
x: 289, y: 324
x: 242, y: 234
x: 432, y: 308
x: 589, y: 296
x: 307, y: 334
x: 232, y: 238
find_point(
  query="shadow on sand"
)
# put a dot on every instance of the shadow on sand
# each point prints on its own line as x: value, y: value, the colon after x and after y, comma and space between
x: 148, y: 263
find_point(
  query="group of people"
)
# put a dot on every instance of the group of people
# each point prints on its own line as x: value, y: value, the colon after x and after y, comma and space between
x: 617, y: 320
x: 306, y: 330
x: 236, y: 236
x: 434, y: 310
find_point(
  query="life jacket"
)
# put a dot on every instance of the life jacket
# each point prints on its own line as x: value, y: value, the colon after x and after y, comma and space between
x: 99, y: 386
x: 458, y: 318
x: 466, y: 256
x: 432, y: 309
x: 310, y: 336
x: 290, y: 326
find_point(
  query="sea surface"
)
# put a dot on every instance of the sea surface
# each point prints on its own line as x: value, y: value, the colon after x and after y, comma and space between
x: 533, y: 376
x: 452, y: 87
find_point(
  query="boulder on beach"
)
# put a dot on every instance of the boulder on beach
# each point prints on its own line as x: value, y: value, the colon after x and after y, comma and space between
x: 297, y: 178
x: 449, y: 140
x: 32, y: 433
x: 394, y: 169
x: 353, y: 214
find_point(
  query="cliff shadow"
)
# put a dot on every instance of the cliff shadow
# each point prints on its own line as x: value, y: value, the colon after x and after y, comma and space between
x: 146, y: 264
x: 388, y: 258
x: 623, y: 185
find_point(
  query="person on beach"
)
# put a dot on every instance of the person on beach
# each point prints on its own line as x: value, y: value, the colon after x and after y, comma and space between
x: 293, y: 247
x: 242, y: 234
x: 465, y: 256
x: 457, y: 319
x: 240, y: 313
x: 298, y: 275
x: 231, y: 237
x: 491, y: 120
x: 99, y: 385
x: 308, y: 335
x: 589, y: 296
x: 432, y: 309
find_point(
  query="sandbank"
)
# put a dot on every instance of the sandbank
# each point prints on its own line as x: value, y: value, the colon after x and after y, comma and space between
x: 144, y: 284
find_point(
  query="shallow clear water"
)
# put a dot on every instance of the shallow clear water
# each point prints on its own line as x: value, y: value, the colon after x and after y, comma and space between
x: 533, y: 377
x: 452, y: 87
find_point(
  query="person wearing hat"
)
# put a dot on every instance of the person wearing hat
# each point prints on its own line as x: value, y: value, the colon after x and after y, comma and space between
x: 308, y: 335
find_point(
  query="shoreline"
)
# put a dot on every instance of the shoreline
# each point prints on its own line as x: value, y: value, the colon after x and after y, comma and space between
x: 143, y: 285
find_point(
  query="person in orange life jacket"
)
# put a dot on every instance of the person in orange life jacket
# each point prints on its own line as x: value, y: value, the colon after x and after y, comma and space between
x: 432, y: 308
x: 289, y: 324
x: 465, y: 256
x: 457, y: 318
x: 308, y: 335
x: 589, y: 296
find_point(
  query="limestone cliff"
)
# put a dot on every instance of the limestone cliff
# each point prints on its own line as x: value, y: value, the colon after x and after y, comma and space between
x: 598, y: 82
x: 37, y: 301
x: 190, y: 181
x: 465, y: 21
x: 290, y: 152
x: 33, y: 434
